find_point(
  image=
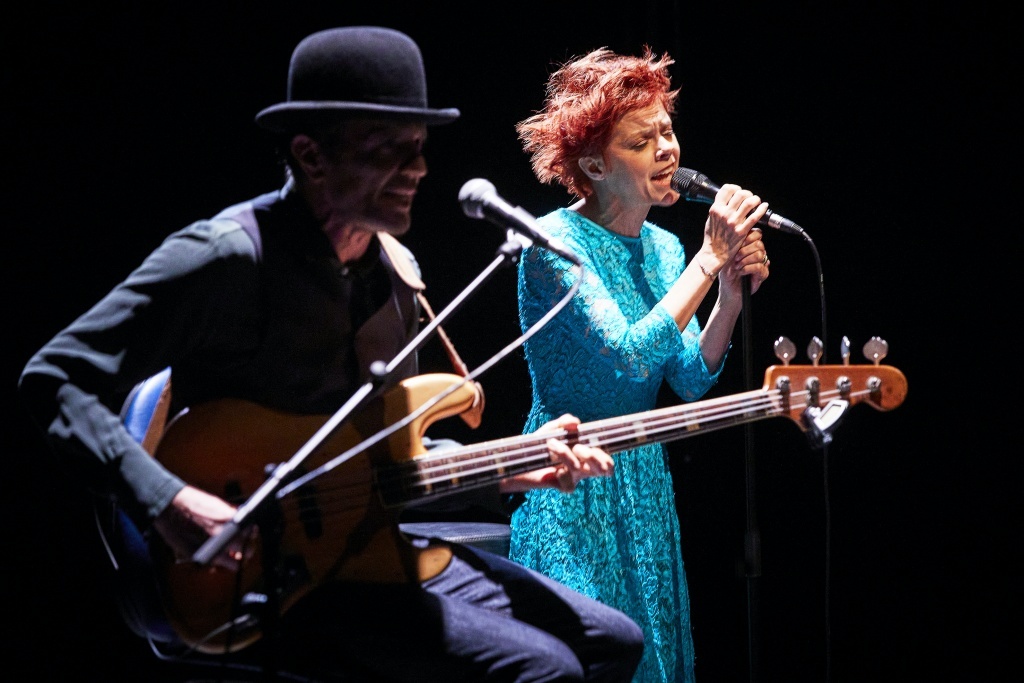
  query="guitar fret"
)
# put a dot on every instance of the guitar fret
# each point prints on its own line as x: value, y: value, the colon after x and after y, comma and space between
x: 446, y: 470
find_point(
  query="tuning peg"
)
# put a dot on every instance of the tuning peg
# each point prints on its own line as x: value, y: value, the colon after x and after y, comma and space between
x: 814, y: 350
x: 844, y: 350
x: 876, y: 349
x: 784, y: 350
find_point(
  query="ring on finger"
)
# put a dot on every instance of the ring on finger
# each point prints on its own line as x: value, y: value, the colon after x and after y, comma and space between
x: 764, y: 261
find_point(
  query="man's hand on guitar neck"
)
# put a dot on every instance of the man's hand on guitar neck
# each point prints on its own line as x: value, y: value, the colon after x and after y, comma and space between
x: 574, y: 464
x: 191, y: 519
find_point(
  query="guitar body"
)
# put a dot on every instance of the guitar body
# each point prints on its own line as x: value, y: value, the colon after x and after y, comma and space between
x: 337, y: 527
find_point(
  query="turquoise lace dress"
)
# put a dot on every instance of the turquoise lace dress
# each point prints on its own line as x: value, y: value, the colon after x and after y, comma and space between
x: 606, y: 354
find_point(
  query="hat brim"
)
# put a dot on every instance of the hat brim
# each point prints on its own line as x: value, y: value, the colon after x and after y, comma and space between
x: 291, y: 116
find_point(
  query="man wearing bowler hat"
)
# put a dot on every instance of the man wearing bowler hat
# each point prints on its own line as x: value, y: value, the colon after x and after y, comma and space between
x: 268, y: 315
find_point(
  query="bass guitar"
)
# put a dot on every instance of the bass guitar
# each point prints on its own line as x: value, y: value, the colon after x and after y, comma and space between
x: 343, y: 524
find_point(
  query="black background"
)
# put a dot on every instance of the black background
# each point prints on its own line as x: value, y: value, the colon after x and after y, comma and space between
x: 883, y: 132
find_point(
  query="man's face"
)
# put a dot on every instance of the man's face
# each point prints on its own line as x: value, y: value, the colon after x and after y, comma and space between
x: 372, y: 176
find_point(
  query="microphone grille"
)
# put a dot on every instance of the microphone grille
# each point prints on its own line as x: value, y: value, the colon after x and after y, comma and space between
x: 472, y: 195
x: 692, y: 185
x: 684, y: 180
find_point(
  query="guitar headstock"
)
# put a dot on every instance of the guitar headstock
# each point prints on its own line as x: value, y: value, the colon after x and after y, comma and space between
x: 816, y: 396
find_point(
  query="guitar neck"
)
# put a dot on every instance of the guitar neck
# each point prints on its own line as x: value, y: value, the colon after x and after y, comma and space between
x: 793, y: 391
x: 485, y: 463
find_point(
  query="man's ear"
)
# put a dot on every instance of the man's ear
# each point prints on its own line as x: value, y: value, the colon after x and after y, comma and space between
x: 593, y: 167
x: 307, y: 152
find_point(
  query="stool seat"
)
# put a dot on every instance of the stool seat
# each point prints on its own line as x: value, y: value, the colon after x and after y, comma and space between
x: 493, y: 537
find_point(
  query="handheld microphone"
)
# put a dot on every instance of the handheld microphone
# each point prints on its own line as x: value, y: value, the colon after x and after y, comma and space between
x: 696, y: 187
x: 479, y: 199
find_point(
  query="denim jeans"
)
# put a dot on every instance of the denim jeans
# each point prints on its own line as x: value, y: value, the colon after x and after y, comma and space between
x: 483, y: 618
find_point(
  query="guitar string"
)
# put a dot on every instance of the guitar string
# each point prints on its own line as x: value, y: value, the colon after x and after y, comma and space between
x: 406, y: 475
x: 423, y: 473
x: 409, y: 476
x: 617, y: 433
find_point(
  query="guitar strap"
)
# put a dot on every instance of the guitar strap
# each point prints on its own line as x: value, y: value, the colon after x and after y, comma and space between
x: 398, y: 256
x: 244, y: 215
x: 407, y: 272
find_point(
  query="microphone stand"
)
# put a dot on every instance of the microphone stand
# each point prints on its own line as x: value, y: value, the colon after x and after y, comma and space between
x: 255, y: 510
x: 507, y: 253
x: 752, y: 538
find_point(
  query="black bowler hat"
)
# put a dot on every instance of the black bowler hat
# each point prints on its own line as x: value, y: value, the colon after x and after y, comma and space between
x: 354, y: 70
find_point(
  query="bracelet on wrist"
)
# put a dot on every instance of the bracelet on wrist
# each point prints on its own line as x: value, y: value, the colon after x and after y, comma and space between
x: 707, y: 273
